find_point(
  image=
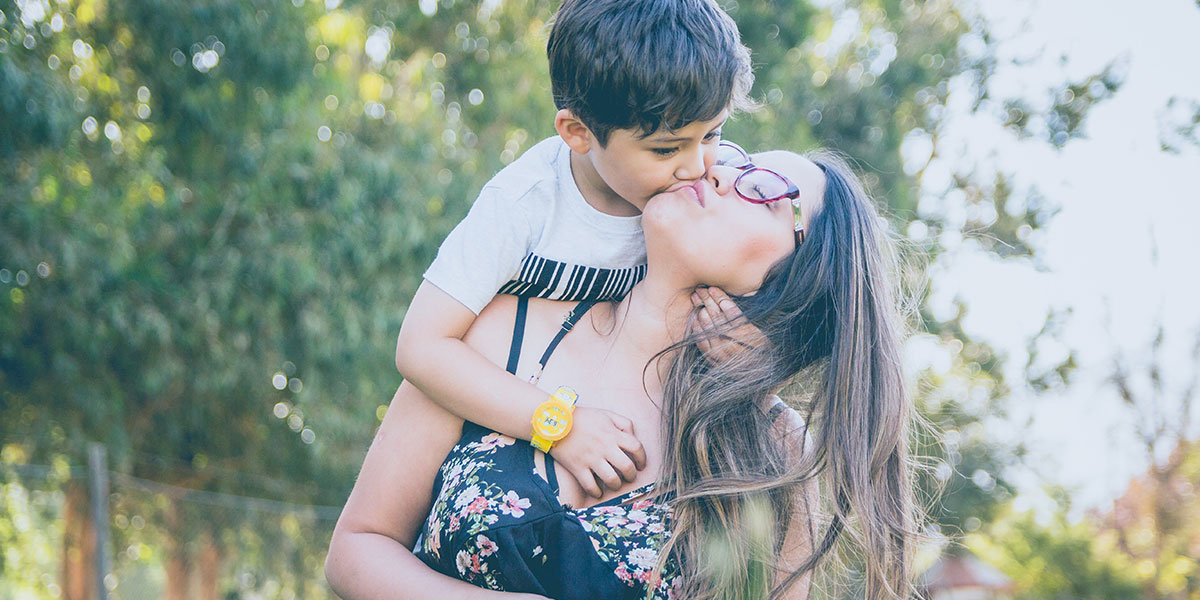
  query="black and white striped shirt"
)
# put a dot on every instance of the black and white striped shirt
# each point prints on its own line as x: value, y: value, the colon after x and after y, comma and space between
x: 545, y: 278
x: 531, y: 233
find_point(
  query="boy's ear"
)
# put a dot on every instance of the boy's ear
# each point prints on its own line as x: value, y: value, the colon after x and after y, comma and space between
x: 577, y: 135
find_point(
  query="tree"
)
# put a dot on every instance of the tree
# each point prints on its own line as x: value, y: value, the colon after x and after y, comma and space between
x: 214, y: 215
x: 1056, y: 559
x: 1153, y: 522
x: 1179, y: 123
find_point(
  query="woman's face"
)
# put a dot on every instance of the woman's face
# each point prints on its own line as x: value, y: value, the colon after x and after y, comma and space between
x: 710, y: 235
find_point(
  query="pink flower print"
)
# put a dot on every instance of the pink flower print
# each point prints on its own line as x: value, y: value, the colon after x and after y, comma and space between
x: 491, y: 519
x: 462, y: 560
x: 434, y: 542
x: 466, y: 497
x: 494, y: 440
x: 477, y: 566
x: 676, y: 588
x: 608, y: 510
x: 512, y: 504
x: 638, y: 516
x: 486, y: 546
x: 656, y: 528
x: 643, y: 558
x: 641, y: 504
x: 668, y: 585
x: 622, y: 572
x: 453, y: 526
x: 616, y: 522
x: 587, y: 525
x: 477, y: 506
x: 452, y: 476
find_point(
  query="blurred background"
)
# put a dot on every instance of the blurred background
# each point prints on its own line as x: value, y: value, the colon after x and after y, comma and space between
x: 213, y: 215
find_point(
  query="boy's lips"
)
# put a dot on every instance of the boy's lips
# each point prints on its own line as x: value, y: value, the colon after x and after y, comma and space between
x: 696, y: 188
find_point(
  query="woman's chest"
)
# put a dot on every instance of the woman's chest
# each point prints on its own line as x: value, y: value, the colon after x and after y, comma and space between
x: 626, y: 398
x: 497, y: 524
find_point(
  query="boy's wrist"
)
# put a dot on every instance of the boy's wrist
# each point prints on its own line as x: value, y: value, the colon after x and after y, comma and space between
x: 552, y: 419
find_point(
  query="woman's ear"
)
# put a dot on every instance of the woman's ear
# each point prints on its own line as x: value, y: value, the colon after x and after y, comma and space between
x: 577, y: 135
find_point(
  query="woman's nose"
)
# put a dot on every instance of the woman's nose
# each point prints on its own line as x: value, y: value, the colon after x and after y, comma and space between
x: 721, y: 178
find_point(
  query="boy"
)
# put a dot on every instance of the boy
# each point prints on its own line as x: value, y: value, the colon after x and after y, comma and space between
x: 643, y: 88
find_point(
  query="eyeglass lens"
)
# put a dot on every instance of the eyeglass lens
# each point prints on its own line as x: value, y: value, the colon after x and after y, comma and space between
x: 762, y: 185
x: 729, y: 155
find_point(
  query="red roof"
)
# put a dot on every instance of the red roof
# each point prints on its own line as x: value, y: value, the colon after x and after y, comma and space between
x: 964, y: 570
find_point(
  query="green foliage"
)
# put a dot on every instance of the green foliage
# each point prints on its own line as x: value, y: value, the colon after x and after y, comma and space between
x: 214, y: 214
x: 30, y: 530
x: 1069, y: 105
x: 1059, y: 559
x: 1179, y: 124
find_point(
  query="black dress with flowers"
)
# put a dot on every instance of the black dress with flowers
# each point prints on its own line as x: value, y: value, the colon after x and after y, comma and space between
x: 497, y: 524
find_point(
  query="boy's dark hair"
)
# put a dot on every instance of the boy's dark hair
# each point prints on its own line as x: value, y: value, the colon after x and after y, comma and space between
x: 646, y: 64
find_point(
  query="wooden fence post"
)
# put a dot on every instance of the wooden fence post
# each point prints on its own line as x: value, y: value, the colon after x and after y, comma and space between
x: 98, y: 478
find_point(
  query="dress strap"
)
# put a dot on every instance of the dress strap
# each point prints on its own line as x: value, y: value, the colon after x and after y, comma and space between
x: 775, y: 410
x: 568, y: 323
x: 551, y: 476
x: 514, y: 354
x: 514, y: 351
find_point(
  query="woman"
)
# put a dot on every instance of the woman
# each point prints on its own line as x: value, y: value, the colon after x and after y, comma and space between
x: 727, y: 506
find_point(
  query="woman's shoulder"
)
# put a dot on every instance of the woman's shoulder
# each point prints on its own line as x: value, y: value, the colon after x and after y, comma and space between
x: 776, y: 408
x: 491, y: 332
x: 787, y: 424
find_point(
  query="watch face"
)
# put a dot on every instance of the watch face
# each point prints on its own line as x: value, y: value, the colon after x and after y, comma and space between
x: 552, y: 420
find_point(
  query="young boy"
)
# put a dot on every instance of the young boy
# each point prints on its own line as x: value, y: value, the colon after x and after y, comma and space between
x: 643, y: 88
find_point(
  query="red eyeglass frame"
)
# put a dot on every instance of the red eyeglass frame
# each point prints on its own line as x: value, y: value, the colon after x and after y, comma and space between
x: 792, y: 193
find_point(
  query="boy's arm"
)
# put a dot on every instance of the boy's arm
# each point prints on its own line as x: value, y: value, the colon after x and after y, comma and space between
x: 431, y: 354
x: 478, y: 256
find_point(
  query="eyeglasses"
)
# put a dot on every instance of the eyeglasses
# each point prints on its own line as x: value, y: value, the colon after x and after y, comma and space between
x: 760, y: 185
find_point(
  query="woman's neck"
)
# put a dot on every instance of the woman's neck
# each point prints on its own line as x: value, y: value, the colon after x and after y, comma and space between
x: 652, y: 316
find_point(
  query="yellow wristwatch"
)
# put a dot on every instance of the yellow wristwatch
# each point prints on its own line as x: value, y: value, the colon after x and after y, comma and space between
x: 552, y: 418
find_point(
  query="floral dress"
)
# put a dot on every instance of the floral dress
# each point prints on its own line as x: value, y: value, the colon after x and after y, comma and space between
x: 497, y: 524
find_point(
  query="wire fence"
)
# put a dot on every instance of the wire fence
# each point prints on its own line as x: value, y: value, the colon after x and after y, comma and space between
x: 157, y: 539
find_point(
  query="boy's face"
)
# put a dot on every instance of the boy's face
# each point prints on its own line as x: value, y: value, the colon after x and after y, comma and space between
x: 635, y: 168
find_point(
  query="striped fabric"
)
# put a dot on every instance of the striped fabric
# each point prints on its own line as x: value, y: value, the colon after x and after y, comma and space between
x: 545, y: 278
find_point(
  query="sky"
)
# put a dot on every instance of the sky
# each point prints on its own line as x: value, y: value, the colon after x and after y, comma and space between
x: 1122, y: 202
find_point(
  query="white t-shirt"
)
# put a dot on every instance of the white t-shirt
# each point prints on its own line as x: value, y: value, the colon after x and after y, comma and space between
x: 531, y: 233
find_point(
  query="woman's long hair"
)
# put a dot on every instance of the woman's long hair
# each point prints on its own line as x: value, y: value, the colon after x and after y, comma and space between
x: 830, y: 312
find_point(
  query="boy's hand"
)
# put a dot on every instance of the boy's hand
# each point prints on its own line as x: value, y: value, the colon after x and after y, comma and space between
x: 716, y: 309
x: 600, y: 450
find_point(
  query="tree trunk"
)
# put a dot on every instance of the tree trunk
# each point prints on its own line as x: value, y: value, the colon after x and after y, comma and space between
x: 79, y: 545
x: 210, y: 568
x: 177, y: 562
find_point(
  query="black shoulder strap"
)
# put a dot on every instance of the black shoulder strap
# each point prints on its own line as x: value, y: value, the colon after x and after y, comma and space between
x: 569, y: 323
x: 514, y: 351
x: 551, y: 475
x: 776, y: 410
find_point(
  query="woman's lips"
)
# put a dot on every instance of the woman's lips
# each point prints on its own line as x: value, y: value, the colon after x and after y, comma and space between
x: 696, y: 189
